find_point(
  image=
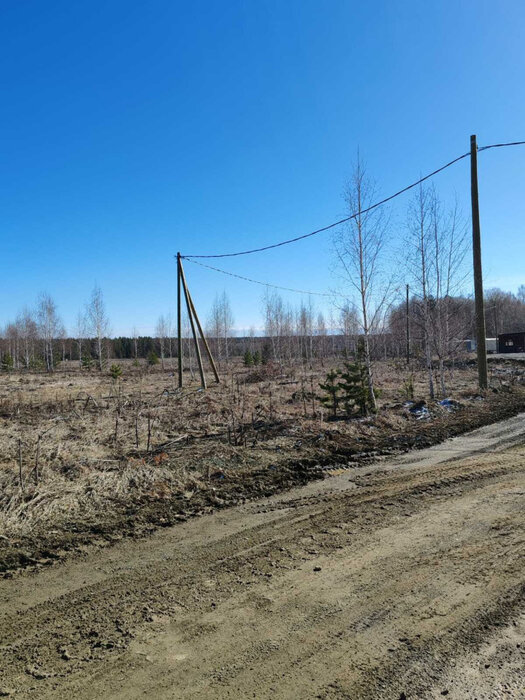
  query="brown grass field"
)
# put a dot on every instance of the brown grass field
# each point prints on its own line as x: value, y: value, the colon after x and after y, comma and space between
x: 85, y: 459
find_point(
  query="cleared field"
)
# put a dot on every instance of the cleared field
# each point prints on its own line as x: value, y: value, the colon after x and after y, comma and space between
x: 86, y: 460
x: 403, y: 580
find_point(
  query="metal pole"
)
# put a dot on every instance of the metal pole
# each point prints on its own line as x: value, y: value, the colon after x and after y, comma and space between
x: 408, y: 328
x: 179, y: 321
x: 478, y: 273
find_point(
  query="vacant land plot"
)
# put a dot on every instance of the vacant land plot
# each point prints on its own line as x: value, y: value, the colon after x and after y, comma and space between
x: 403, y: 580
x: 85, y: 459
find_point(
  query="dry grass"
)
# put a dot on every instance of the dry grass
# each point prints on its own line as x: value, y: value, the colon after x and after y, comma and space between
x: 74, y: 446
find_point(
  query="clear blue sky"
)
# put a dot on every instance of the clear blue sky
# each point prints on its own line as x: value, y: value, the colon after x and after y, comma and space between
x: 130, y: 130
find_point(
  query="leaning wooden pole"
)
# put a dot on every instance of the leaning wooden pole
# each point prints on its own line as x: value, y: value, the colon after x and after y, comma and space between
x: 208, y: 351
x: 192, y: 324
x: 179, y: 320
x: 481, y: 343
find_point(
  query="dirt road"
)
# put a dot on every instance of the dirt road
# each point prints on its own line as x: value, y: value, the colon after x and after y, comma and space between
x: 402, y: 581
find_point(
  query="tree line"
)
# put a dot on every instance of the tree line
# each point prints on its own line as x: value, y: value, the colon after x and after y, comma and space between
x: 37, y: 338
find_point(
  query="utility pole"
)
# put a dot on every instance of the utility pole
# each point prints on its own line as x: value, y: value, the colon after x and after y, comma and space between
x: 408, y: 328
x: 192, y: 324
x: 179, y: 320
x: 182, y: 286
x: 478, y: 273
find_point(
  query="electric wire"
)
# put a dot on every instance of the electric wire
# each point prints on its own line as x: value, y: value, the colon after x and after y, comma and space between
x: 356, y: 214
x: 501, y: 145
x: 263, y: 284
x: 191, y: 258
x: 335, y: 223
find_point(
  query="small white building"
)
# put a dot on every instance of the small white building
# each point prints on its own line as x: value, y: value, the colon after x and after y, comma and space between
x: 491, y: 344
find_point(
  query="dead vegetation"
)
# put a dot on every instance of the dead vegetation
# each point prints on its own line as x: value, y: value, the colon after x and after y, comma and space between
x: 83, y: 455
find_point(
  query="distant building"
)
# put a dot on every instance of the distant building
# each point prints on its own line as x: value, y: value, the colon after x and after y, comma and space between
x: 511, y: 342
x: 491, y: 344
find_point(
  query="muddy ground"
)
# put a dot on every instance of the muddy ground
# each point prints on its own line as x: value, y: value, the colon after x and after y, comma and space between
x: 403, y: 579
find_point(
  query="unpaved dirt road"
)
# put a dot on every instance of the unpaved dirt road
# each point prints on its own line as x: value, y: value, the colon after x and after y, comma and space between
x: 404, y: 580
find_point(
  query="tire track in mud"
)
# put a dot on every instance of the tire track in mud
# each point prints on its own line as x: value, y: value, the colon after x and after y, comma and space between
x: 238, y: 562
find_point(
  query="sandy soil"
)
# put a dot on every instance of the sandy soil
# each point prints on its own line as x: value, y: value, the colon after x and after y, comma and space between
x: 401, y: 580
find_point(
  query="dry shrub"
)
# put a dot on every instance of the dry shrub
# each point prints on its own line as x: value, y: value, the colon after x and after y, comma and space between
x: 262, y: 374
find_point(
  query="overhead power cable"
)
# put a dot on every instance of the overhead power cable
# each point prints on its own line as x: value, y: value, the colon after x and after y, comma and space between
x: 263, y: 284
x: 336, y: 223
x: 502, y: 145
x: 356, y: 214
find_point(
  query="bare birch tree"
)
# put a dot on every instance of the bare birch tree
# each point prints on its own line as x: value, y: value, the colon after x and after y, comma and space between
x: 169, y: 335
x: 434, y: 252
x: 321, y: 333
x: 305, y: 330
x: 28, y: 334
x: 97, y: 321
x: 161, y: 331
x: 135, y: 338
x: 349, y: 326
x: 447, y: 277
x: 49, y: 328
x: 418, y: 245
x: 359, y: 248
x: 220, y: 325
x: 81, y: 334
x: 276, y: 323
x: 505, y: 312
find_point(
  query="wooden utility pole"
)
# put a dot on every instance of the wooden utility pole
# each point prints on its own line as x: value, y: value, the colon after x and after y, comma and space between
x: 481, y: 345
x: 182, y: 286
x: 192, y: 324
x: 207, y: 347
x: 179, y: 320
x: 408, y: 327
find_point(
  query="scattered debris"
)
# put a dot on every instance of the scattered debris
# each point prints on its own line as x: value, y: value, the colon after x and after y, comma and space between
x: 450, y: 404
x: 418, y: 409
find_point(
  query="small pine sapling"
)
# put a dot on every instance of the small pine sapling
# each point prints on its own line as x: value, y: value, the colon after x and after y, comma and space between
x: 332, y: 388
x: 408, y: 386
x: 248, y: 359
x: 257, y: 357
x: 115, y: 372
x: 7, y: 362
x: 266, y: 354
x: 153, y: 359
x: 354, y: 386
x: 87, y: 362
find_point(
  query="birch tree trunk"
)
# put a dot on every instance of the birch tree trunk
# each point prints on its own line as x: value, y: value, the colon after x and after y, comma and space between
x: 359, y: 250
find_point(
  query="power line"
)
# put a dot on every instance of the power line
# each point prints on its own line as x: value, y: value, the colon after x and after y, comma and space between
x: 502, y: 145
x: 353, y: 216
x: 336, y: 223
x: 263, y: 284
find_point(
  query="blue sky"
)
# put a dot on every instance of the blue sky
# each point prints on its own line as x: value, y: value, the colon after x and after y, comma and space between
x: 130, y: 130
